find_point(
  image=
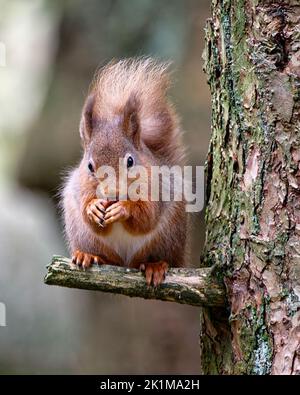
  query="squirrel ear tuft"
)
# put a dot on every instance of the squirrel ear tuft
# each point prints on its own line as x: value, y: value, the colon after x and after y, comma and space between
x: 131, y: 122
x: 86, y: 123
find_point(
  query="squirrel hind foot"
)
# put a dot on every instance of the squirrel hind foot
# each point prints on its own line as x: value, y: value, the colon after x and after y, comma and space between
x: 85, y: 260
x: 155, y: 272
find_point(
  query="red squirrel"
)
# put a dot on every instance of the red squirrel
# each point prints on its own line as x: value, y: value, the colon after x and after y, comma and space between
x: 126, y: 115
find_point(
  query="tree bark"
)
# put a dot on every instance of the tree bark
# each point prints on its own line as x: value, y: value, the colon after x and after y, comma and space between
x: 252, y: 59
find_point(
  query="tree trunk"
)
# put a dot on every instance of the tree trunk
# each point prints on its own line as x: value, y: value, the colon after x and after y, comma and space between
x: 252, y: 59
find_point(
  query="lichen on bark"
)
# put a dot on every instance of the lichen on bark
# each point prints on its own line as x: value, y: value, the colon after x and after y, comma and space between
x: 252, y: 59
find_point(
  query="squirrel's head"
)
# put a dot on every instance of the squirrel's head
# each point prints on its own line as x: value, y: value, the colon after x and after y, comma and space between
x: 112, y: 142
x: 128, y: 118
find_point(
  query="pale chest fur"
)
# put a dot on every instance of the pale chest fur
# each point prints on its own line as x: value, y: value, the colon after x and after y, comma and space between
x: 124, y: 243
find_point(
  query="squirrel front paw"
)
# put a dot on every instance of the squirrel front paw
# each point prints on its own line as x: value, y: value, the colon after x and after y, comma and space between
x: 84, y: 260
x: 95, y: 211
x: 118, y: 211
x: 155, y: 273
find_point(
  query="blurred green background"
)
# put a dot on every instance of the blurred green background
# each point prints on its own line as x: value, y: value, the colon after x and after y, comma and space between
x: 52, y: 51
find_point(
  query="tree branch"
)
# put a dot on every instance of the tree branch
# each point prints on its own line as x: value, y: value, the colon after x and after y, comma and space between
x: 197, y: 287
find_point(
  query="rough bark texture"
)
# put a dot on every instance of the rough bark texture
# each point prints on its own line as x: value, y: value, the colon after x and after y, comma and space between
x: 197, y: 287
x: 252, y: 60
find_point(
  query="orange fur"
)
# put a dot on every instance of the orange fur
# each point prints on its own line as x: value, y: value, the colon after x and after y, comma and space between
x: 127, y: 110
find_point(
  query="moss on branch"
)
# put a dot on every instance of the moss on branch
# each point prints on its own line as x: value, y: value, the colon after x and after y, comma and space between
x: 197, y: 287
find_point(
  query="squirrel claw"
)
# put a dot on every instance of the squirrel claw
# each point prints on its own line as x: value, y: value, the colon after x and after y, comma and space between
x: 95, y: 212
x: 155, y: 272
x: 101, y: 223
x: 117, y: 211
x: 84, y: 260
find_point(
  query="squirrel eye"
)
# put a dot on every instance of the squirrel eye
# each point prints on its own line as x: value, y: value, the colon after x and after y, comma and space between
x: 130, y: 161
x: 91, y: 167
